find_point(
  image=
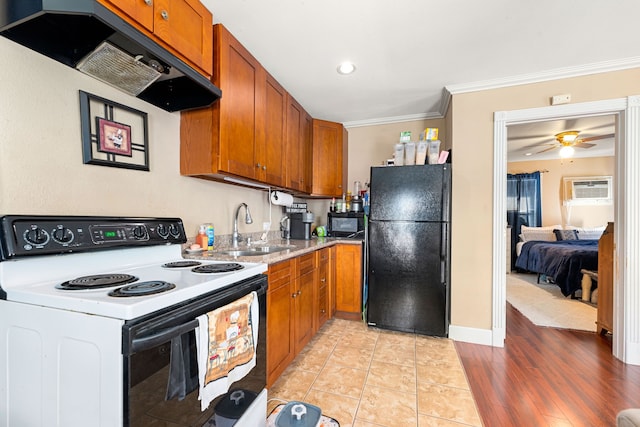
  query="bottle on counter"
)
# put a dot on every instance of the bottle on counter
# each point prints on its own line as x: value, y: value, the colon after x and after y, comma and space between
x: 332, y: 205
x: 348, y: 200
x: 201, y: 238
x: 210, y: 237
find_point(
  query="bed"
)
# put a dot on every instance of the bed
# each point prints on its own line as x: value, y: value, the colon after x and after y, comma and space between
x: 560, y: 261
x: 559, y: 253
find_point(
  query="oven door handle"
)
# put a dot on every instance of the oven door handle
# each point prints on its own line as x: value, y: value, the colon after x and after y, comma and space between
x: 151, y: 341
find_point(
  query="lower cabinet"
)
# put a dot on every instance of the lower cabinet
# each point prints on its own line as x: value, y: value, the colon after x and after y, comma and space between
x: 348, y: 281
x: 304, y: 292
x: 303, y: 301
x: 280, y: 335
x: 323, y: 286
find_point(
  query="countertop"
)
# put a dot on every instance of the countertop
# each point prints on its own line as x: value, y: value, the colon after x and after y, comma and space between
x: 298, y: 247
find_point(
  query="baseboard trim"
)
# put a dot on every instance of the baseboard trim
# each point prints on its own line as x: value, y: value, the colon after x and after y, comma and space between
x: 470, y: 335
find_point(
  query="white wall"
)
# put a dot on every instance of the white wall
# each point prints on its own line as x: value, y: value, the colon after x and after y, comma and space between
x: 41, y: 168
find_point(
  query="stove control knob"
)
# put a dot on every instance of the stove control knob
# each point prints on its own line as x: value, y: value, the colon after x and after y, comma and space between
x: 139, y: 232
x: 36, y: 236
x: 62, y: 234
x: 174, y: 230
x: 163, y: 231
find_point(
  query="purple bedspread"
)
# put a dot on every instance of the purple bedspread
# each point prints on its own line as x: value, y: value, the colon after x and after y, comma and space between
x: 560, y: 261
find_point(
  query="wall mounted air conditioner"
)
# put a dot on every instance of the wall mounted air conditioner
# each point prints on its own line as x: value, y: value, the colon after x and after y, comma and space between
x: 591, y: 190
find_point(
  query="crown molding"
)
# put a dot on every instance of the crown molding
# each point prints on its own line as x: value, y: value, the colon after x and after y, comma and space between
x: 387, y: 120
x: 559, y: 73
x: 556, y: 74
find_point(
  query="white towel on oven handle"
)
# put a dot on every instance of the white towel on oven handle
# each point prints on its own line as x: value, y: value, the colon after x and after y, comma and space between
x: 210, y: 391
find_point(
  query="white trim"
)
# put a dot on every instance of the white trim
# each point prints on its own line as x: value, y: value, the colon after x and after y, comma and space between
x: 559, y: 73
x: 387, y: 120
x: 626, y: 337
x: 523, y: 79
x: 470, y: 335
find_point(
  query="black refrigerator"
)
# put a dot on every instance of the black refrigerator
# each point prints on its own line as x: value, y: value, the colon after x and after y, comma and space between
x: 409, y: 245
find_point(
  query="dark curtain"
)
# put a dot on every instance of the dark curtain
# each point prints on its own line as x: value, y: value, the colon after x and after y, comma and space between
x: 523, y: 205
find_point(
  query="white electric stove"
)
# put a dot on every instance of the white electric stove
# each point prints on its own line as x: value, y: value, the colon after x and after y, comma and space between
x: 85, y: 306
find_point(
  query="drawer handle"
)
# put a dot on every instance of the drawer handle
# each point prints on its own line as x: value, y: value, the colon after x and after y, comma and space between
x: 165, y: 15
x: 323, y: 280
x: 148, y: 2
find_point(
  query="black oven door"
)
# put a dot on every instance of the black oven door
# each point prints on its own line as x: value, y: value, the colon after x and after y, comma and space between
x: 150, y: 397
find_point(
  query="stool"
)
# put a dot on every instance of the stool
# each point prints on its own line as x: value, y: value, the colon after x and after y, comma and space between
x: 588, y: 276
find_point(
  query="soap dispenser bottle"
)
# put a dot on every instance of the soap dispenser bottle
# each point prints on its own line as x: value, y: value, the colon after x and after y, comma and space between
x: 202, y: 238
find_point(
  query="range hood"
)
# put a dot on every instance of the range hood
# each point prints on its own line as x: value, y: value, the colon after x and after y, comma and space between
x: 85, y: 35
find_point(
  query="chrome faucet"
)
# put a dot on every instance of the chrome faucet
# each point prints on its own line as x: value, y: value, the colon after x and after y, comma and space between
x: 248, y: 220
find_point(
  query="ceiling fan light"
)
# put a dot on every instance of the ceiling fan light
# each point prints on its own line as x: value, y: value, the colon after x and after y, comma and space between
x: 566, y: 151
x: 567, y: 137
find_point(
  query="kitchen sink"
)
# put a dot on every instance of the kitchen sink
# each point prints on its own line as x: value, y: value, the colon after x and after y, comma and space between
x: 253, y: 250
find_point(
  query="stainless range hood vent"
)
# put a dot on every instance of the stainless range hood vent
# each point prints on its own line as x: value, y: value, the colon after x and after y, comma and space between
x: 85, y: 35
x: 111, y: 65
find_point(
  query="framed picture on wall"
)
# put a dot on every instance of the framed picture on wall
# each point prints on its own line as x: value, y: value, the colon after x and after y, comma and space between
x: 113, y: 134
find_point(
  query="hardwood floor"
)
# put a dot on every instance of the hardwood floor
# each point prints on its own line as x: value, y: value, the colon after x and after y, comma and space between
x: 548, y: 377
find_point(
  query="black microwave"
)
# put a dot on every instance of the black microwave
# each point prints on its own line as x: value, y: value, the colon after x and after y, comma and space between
x: 345, y: 224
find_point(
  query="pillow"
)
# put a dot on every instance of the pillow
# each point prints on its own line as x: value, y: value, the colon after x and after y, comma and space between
x: 546, y: 236
x: 566, y: 234
x: 538, y: 233
x: 590, y: 233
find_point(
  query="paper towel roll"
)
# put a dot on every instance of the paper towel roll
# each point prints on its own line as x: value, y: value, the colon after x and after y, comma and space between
x: 280, y: 198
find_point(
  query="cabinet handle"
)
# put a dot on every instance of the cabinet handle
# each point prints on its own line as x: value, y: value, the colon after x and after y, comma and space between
x: 258, y: 165
x: 148, y: 2
x: 322, y: 311
x: 165, y: 15
x: 264, y: 168
x: 299, y: 292
x: 323, y: 280
x: 293, y: 295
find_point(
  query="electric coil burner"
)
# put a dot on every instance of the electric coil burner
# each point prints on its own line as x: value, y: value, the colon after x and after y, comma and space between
x: 97, y: 281
x: 142, y: 289
x: 218, y: 268
x: 181, y: 264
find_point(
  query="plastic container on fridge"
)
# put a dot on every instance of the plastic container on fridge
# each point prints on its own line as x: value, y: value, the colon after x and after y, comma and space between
x: 410, y: 153
x: 398, y: 154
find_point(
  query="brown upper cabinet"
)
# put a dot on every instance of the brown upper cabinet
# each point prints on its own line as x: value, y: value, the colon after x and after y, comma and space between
x: 243, y: 133
x: 329, y: 158
x: 298, y: 147
x: 184, y: 27
x: 259, y: 132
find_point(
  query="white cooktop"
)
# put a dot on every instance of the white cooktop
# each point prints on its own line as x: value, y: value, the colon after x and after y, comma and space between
x: 34, y: 280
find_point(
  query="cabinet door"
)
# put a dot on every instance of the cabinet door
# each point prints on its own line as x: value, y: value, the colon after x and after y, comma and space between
x: 298, y: 147
x: 186, y: 26
x: 322, y: 300
x: 349, y: 281
x: 271, y: 136
x: 294, y: 162
x: 242, y: 80
x: 307, y: 153
x: 140, y: 11
x: 304, y: 310
x: 327, y: 158
x: 280, y: 344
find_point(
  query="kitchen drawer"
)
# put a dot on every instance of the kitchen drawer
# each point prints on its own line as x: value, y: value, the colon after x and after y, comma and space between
x: 280, y: 275
x: 306, y: 263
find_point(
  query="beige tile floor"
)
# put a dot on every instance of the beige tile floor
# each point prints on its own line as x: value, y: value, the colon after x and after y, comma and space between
x: 365, y: 377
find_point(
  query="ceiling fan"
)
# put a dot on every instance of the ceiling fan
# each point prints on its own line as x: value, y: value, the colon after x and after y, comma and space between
x: 567, y: 141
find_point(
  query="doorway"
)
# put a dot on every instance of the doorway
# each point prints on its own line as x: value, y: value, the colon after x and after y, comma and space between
x: 626, y: 339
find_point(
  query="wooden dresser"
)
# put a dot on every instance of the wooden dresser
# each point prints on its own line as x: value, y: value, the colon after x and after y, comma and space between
x: 605, y: 281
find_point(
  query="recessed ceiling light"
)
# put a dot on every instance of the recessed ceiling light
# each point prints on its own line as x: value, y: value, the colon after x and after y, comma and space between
x: 346, y: 68
x: 528, y: 154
